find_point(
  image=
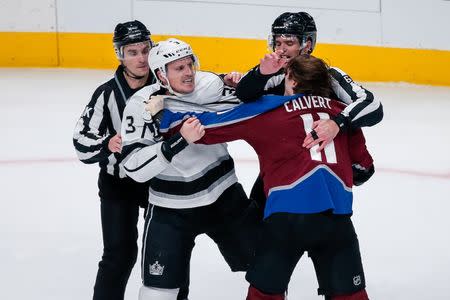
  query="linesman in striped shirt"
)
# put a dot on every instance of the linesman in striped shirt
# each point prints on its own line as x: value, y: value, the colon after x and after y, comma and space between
x: 97, y: 140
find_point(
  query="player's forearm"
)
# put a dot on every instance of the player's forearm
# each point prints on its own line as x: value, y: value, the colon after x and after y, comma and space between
x: 144, y: 163
x: 359, y: 154
x: 252, y: 85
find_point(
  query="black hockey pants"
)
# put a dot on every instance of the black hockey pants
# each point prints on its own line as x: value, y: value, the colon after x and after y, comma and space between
x: 120, y: 202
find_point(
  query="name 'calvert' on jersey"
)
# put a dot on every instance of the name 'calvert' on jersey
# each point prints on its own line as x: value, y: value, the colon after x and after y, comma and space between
x: 296, y: 179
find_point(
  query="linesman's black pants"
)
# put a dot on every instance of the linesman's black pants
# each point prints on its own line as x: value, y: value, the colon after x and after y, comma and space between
x: 120, y: 201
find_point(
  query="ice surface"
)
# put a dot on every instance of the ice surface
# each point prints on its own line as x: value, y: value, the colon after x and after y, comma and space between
x: 50, y: 218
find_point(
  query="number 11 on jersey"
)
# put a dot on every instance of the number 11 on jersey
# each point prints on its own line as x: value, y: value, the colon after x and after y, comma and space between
x: 329, y: 150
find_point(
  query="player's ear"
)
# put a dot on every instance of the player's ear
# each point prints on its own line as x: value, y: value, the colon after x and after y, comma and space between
x: 161, y: 78
x: 307, y: 48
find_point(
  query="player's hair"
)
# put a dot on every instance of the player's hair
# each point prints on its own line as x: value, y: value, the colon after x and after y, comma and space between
x: 311, y: 74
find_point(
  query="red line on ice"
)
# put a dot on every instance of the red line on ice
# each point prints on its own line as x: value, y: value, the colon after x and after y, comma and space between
x: 240, y: 160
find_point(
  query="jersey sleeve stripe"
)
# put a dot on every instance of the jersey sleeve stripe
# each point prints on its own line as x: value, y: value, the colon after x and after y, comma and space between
x: 142, y: 165
x: 363, y: 109
x: 127, y: 149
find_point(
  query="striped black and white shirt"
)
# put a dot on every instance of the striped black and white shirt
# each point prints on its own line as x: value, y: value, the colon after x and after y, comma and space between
x: 100, y: 121
x: 363, y: 108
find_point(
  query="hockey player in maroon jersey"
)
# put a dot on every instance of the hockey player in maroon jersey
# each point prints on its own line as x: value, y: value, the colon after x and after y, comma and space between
x: 309, y: 192
x: 294, y: 33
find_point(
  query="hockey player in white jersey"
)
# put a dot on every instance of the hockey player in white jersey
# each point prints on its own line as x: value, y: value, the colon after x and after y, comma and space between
x: 193, y: 188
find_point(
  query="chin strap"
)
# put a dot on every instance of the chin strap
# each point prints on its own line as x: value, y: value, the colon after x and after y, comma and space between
x: 131, y: 75
x: 168, y: 87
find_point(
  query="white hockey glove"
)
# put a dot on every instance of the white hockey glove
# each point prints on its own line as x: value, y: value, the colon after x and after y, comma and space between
x: 153, y: 115
x: 155, y: 104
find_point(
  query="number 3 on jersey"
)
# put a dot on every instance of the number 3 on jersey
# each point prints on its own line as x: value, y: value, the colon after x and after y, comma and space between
x: 329, y: 150
x: 130, y: 128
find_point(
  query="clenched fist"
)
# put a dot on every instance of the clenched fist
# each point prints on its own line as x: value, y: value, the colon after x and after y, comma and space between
x: 192, y: 130
x: 155, y: 104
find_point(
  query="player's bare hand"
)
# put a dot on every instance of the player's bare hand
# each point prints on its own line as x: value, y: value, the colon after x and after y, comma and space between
x: 115, y: 144
x: 232, y: 78
x: 271, y: 63
x: 323, y: 132
x: 192, y: 130
x: 155, y: 104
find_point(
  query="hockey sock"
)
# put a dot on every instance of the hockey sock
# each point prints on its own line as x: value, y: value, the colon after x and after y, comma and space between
x: 151, y: 293
x: 255, y: 294
x: 360, y: 295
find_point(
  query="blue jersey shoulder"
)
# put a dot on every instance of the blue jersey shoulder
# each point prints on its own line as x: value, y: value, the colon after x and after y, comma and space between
x: 236, y: 114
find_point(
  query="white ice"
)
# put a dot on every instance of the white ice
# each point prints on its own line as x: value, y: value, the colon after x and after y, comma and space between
x: 50, y: 220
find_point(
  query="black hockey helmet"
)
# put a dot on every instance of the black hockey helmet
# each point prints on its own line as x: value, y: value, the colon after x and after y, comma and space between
x: 130, y: 33
x: 299, y: 24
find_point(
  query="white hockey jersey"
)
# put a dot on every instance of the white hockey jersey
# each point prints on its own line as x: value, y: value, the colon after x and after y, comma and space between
x: 197, y: 175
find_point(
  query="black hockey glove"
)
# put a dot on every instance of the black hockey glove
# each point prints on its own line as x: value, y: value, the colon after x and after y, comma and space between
x: 361, y: 174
